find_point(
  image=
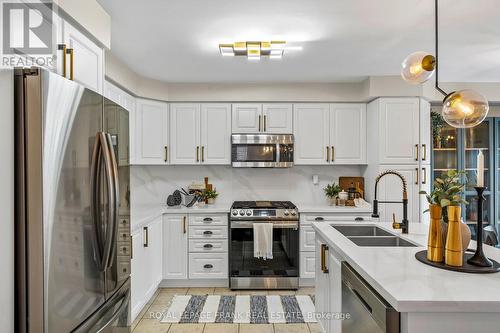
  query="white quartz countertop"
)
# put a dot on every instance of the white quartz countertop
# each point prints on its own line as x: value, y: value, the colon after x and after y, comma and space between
x: 308, y: 208
x: 409, y: 285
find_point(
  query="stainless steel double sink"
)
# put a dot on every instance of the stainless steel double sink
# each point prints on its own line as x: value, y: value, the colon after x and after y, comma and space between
x: 370, y: 235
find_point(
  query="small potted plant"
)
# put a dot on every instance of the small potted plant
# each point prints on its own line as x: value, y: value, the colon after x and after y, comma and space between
x: 210, y: 195
x: 332, y: 191
x: 447, y: 196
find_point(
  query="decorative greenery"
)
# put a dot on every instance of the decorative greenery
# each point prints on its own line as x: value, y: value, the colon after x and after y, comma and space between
x: 437, y: 124
x: 210, y: 194
x: 448, y: 191
x: 332, y: 190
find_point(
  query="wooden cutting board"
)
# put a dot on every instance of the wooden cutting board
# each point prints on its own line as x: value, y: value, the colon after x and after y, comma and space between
x: 359, y: 182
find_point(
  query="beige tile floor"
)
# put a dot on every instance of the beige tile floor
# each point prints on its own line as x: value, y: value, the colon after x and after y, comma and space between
x: 147, y: 323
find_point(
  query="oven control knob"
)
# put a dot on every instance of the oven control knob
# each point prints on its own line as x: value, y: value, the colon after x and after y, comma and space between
x: 249, y: 212
x: 235, y: 212
x: 242, y: 212
x: 293, y: 213
x: 286, y: 212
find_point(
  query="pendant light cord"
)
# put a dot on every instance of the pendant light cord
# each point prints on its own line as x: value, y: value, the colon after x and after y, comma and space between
x: 436, y: 30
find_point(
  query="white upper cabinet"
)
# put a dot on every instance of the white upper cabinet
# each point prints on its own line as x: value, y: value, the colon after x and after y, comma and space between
x: 247, y: 118
x: 399, y: 130
x: 348, y: 133
x: 88, y: 58
x: 185, y: 133
x: 262, y: 118
x: 311, y: 131
x: 151, y: 132
x: 425, y: 132
x: 216, y: 134
x: 277, y: 118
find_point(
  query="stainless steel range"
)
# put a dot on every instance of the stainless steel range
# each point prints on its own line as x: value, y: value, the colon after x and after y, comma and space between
x: 248, y: 272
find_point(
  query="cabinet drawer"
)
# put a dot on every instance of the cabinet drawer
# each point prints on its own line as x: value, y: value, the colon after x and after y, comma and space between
x: 208, y: 219
x: 309, y: 218
x: 124, y: 223
x: 307, y: 264
x: 208, y: 265
x: 307, y: 238
x: 208, y: 232
x: 209, y: 245
x: 123, y: 248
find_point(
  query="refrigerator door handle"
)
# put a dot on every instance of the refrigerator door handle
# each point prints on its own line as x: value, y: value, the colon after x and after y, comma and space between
x: 95, y: 179
x: 116, y: 199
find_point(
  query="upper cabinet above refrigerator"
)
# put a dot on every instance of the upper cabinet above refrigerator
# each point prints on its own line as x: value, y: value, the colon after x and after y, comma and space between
x: 262, y: 118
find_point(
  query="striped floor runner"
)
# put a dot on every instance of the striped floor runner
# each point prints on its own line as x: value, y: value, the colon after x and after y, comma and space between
x: 240, y: 309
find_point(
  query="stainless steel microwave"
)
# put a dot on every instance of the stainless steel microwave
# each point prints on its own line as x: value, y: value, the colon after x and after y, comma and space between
x: 262, y: 150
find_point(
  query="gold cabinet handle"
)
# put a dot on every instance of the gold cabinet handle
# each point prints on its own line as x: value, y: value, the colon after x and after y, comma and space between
x: 62, y: 47
x: 327, y: 154
x: 146, y: 237
x: 424, y: 173
x: 260, y: 122
x: 197, y: 153
x: 416, y: 152
x: 324, y: 249
x: 333, y: 153
x: 424, y: 153
x: 183, y: 224
x: 202, y: 154
x: 131, y: 248
x: 71, y: 63
x: 265, y: 123
x: 417, y: 179
x: 166, y: 153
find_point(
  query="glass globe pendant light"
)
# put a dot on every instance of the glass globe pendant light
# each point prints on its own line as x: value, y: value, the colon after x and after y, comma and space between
x: 461, y: 109
x: 465, y: 108
x: 418, y: 67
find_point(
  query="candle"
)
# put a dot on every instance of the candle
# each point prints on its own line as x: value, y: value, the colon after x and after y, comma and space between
x: 480, y: 169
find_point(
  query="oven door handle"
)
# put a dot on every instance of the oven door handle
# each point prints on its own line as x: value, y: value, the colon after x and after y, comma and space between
x: 276, y: 224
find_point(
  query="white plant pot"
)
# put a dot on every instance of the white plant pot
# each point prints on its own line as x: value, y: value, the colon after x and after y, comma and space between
x: 211, y: 201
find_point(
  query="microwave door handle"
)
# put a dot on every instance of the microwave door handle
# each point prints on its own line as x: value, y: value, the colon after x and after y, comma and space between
x: 278, y: 153
x: 95, y: 203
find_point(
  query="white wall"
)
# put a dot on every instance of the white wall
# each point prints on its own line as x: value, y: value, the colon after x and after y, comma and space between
x: 152, y: 184
x: 7, y: 201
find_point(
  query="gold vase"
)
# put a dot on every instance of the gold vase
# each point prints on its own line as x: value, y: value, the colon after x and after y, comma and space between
x: 435, y: 248
x: 454, y: 250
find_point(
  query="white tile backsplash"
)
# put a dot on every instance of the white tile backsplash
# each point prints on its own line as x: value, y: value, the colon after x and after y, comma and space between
x: 152, y: 184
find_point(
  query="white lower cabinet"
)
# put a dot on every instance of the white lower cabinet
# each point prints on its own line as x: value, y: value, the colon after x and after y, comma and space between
x: 208, y: 265
x: 328, y: 287
x: 307, y: 265
x: 175, y: 247
x: 146, y: 264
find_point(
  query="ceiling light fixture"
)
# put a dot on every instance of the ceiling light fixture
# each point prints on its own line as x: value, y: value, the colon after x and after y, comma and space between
x: 461, y: 109
x: 254, y: 50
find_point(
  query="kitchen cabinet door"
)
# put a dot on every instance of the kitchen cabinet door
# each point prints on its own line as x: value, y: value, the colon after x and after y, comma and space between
x: 425, y: 132
x: 307, y: 265
x: 88, y: 58
x: 139, y: 274
x: 322, y: 286
x: 155, y: 254
x: 390, y: 188
x: 348, y: 133
x: 335, y: 288
x: 216, y: 134
x: 399, y: 130
x: 247, y: 118
x: 311, y: 131
x: 185, y: 133
x: 151, y: 132
x: 277, y: 118
x: 175, y: 247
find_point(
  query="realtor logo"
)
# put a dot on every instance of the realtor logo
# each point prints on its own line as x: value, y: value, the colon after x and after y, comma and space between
x: 27, y: 28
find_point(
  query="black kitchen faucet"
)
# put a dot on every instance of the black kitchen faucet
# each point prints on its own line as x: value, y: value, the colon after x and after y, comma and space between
x: 404, y: 224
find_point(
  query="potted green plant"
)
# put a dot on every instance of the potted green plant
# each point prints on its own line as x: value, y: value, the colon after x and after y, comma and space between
x: 210, y: 195
x: 437, y: 124
x: 448, y: 193
x: 332, y: 191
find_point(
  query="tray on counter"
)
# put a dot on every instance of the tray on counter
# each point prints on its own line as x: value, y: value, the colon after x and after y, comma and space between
x: 465, y: 268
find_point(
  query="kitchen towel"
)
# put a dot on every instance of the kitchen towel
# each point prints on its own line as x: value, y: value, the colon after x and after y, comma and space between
x: 263, y: 240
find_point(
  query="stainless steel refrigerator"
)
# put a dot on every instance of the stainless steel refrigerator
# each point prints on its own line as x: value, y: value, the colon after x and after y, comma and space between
x: 72, y: 207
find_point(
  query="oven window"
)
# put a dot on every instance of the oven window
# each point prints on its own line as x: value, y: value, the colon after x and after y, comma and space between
x: 253, y: 153
x: 285, y: 260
